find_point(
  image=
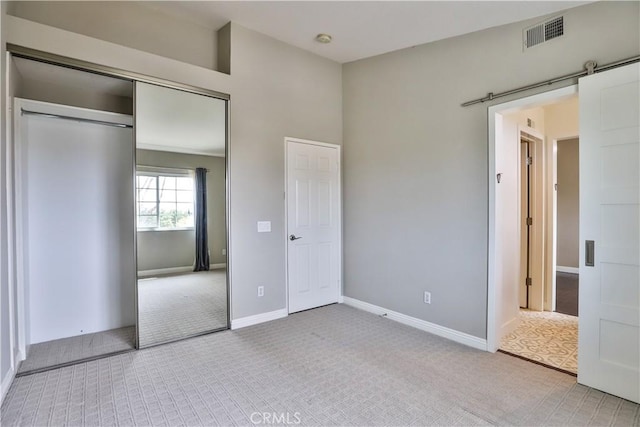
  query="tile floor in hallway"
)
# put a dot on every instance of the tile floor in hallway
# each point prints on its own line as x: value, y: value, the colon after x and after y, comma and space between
x: 545, y: 337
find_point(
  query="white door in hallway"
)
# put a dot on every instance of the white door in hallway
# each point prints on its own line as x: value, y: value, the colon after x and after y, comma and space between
x: 609, y: 339
x: 313, y: 224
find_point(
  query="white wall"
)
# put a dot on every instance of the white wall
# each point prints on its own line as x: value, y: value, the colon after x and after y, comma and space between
x: 278, y: 91
x: 415, y: 160
x: 78, y: 212
x: 507, y: 217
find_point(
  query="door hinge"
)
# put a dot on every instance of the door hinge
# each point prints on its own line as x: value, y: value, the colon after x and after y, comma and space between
x: 529, y: 281
x: 529, y: 221
x: 529, y: 161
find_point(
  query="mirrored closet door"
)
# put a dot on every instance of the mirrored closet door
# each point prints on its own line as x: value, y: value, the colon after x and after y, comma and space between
x: 180, y: 214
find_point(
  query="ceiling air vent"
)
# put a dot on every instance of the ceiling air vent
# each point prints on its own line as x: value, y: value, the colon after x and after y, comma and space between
x: 543, y: 32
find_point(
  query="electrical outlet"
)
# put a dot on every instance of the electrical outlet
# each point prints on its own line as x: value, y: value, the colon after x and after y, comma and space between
x: 427, y: 297
x: 224, y: 252
x: 260, y: 291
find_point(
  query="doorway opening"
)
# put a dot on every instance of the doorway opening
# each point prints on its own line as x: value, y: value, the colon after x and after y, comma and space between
x: 527, y: 138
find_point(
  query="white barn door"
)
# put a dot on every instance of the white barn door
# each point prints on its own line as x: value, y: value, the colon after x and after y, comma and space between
x: 609, y: 339
x: 313, y: 224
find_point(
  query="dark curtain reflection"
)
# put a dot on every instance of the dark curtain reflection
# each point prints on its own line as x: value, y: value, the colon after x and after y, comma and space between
x: 202, y: 245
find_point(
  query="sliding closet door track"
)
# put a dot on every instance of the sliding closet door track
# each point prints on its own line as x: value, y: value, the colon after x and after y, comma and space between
x: 74, y: 362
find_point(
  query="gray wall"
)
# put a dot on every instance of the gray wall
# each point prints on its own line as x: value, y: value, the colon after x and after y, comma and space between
x: 75, y: 96
x: 568, y: 203
x: 166, y: 249
x: 132, y: 24
x: 278, y: 90
x: 224, y: 49
x: 415, y: 161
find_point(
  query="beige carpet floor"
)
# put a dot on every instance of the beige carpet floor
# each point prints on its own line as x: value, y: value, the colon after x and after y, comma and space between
x: 334, y: 365
x: 66, y: 350
x: 177, y: 306
x: 545, y: 337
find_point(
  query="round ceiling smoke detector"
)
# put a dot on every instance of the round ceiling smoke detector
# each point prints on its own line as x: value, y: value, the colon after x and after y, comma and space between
x: 323, y: 38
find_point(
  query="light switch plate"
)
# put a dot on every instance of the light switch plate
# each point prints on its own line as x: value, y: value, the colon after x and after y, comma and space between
x: 264, y: 226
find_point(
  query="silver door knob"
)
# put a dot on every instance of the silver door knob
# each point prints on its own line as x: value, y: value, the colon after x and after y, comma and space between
x: 293, y: 237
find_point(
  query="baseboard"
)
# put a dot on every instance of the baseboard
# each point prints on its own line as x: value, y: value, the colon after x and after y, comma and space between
x: 174, y: 270
x: 6, y: 383
x: 510, y: 326
x: 341, y: 299
x: 563, y: 269
x: 243, y: 322
x: 451, y: 334
x: 160, y: 271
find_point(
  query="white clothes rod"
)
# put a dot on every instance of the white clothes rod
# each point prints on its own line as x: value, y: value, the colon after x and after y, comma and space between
x: 77, y: 119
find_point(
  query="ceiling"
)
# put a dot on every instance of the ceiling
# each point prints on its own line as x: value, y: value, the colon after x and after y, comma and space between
x: 360, y: 29
x: 180, y: 122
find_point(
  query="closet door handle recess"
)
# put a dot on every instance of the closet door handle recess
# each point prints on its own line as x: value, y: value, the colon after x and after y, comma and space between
x: 589, y: 253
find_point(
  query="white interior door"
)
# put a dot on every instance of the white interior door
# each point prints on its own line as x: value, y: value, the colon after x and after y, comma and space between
x: 609, y: 339
x: 531, y: 282
x: 313, y: 224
